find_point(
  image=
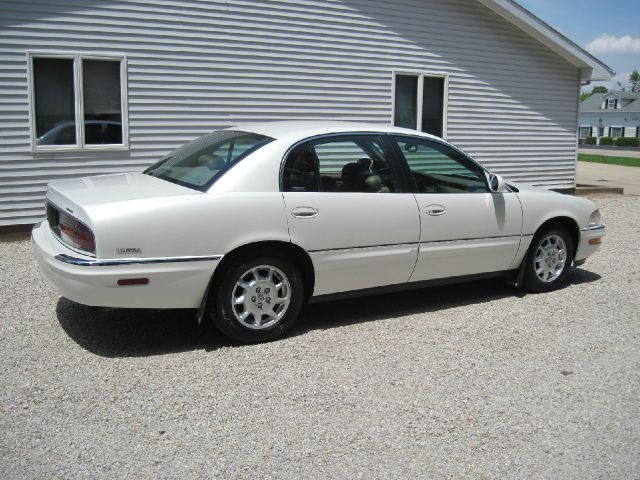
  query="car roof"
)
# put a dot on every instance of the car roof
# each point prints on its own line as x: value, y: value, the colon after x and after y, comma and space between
x: 293, y: 130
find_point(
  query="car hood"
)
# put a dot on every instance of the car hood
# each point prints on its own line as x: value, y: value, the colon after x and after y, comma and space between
x: 525, y: 187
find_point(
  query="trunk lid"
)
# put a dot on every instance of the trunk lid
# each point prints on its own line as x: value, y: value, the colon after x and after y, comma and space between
x: 90, y: 191
x: 77, y: 196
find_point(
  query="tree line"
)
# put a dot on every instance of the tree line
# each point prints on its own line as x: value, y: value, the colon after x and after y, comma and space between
x: 633, y: 86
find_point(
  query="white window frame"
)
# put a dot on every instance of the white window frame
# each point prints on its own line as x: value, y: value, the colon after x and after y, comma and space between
x: 580, y: 130
x: 79, y: 102
x: 421, y: 76
x: 611, y: 132
x: 613, y: 104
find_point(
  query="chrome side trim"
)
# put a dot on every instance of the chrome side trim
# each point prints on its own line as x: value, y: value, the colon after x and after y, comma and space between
x: 358, y: 247
x: 111, y: 262
x: 600, y: 226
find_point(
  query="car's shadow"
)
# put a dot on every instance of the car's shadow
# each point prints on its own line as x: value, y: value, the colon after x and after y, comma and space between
x: 132, y: 333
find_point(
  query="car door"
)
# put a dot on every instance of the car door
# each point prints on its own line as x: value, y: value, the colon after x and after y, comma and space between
x: 345, y: 206
x: 465, y: 228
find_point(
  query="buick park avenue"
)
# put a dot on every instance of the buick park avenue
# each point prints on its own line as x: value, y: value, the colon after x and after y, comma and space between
x: 245, y: 225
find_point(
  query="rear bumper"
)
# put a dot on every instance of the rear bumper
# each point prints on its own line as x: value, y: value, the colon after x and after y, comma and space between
x: 590, y: 241
x: 174, y: 282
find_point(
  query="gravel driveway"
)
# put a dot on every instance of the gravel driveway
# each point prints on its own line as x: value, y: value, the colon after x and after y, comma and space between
x: 467, y: 381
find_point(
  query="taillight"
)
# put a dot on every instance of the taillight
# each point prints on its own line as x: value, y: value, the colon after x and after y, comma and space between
x: 75, y: 233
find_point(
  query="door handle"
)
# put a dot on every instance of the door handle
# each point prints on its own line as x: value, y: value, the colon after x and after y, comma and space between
x: 436, y: 210
x: 305, y: 212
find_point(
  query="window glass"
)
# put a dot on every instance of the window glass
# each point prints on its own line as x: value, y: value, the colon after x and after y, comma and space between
x: 354, y: 164
x: 198, y: 163
x: 53, y: 90
x: 432, y: 105
x: 102, y: 105
x: 584, y: 132
x: 406, y: 98
x: 616, y: 132
x: 300, y: 172
x: 341, y: 164
x: 438, y: 168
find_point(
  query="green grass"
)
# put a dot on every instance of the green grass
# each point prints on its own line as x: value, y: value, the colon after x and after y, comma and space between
x: 626, y: 161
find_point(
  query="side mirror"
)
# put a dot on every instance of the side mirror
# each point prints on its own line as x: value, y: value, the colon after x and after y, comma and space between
x: 497, y: 183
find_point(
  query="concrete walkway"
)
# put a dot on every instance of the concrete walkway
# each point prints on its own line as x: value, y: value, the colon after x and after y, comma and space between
x: 611, y: 152
x: 604, y: 175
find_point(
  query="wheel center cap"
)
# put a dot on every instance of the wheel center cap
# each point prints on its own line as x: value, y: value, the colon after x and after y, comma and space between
x: 261, y: 296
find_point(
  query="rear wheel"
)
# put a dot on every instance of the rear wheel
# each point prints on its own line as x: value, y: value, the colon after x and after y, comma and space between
x: 257, y: 299
x: 549, y: 259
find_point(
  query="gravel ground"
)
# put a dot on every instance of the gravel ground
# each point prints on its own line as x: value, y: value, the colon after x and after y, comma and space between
x: 468, y: 381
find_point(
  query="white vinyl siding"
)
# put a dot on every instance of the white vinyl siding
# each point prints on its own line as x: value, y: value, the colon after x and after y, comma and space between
x: 196, y: 66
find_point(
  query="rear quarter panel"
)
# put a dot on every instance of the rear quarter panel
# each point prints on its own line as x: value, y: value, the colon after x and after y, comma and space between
x: 192, y: 225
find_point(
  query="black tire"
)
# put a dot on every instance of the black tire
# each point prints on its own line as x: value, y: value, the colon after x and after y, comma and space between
x: 532, y: 279
x: 223, y: 313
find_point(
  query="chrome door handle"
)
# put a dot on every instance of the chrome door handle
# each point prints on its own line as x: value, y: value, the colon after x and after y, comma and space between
x: 436, y: 210
x: 305, y: 212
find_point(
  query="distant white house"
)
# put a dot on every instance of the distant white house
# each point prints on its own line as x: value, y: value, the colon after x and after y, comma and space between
x: 90, y: 87
x: 614, y: 114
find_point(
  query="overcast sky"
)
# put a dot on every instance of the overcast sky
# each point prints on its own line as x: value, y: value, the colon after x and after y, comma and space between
x: 610, y: 31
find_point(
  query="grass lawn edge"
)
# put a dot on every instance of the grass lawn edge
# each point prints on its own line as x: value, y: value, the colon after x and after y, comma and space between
x: 626, y: 161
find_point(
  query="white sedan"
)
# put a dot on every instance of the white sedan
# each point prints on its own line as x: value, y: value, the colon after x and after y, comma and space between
x: 248, y: 223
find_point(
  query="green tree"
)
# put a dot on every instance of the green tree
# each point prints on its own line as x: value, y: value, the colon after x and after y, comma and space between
x: 598, y: 89
x: 634, y: 80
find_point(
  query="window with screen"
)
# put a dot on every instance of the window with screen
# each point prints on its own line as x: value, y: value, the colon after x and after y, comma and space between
x: 616, y: 132
x: 77, y: 102
x: 585, y: 132
x: 419, y: 103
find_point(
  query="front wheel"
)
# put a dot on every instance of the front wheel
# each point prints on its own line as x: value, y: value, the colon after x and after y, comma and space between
x: 549, y: 259
x: 257, y: 299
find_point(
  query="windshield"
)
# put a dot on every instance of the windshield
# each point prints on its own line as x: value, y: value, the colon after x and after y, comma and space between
x: 199, y: 163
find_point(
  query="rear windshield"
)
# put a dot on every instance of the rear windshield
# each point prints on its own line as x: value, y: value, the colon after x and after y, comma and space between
x: 199, y: 163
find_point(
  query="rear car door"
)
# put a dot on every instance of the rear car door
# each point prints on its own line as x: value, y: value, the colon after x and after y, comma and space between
x: 465, y: 228
x: 345, y: 206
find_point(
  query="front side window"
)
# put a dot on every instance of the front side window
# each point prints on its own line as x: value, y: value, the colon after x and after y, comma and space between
x: 349, y: 163
x: 199, y: 163
x: 611, y: 104
x: 77, y: 114
x: 437, y: 168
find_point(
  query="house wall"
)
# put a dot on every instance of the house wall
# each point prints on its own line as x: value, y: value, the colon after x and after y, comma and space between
x: 194, y: 66
x: 628, y: 120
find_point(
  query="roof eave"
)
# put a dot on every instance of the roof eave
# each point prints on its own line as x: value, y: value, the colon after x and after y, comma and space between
x: 590, y: 67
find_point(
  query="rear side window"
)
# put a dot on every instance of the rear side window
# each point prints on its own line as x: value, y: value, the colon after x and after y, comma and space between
x: 345, y: 163
x: 300, y: 172
x: 200, y: 162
